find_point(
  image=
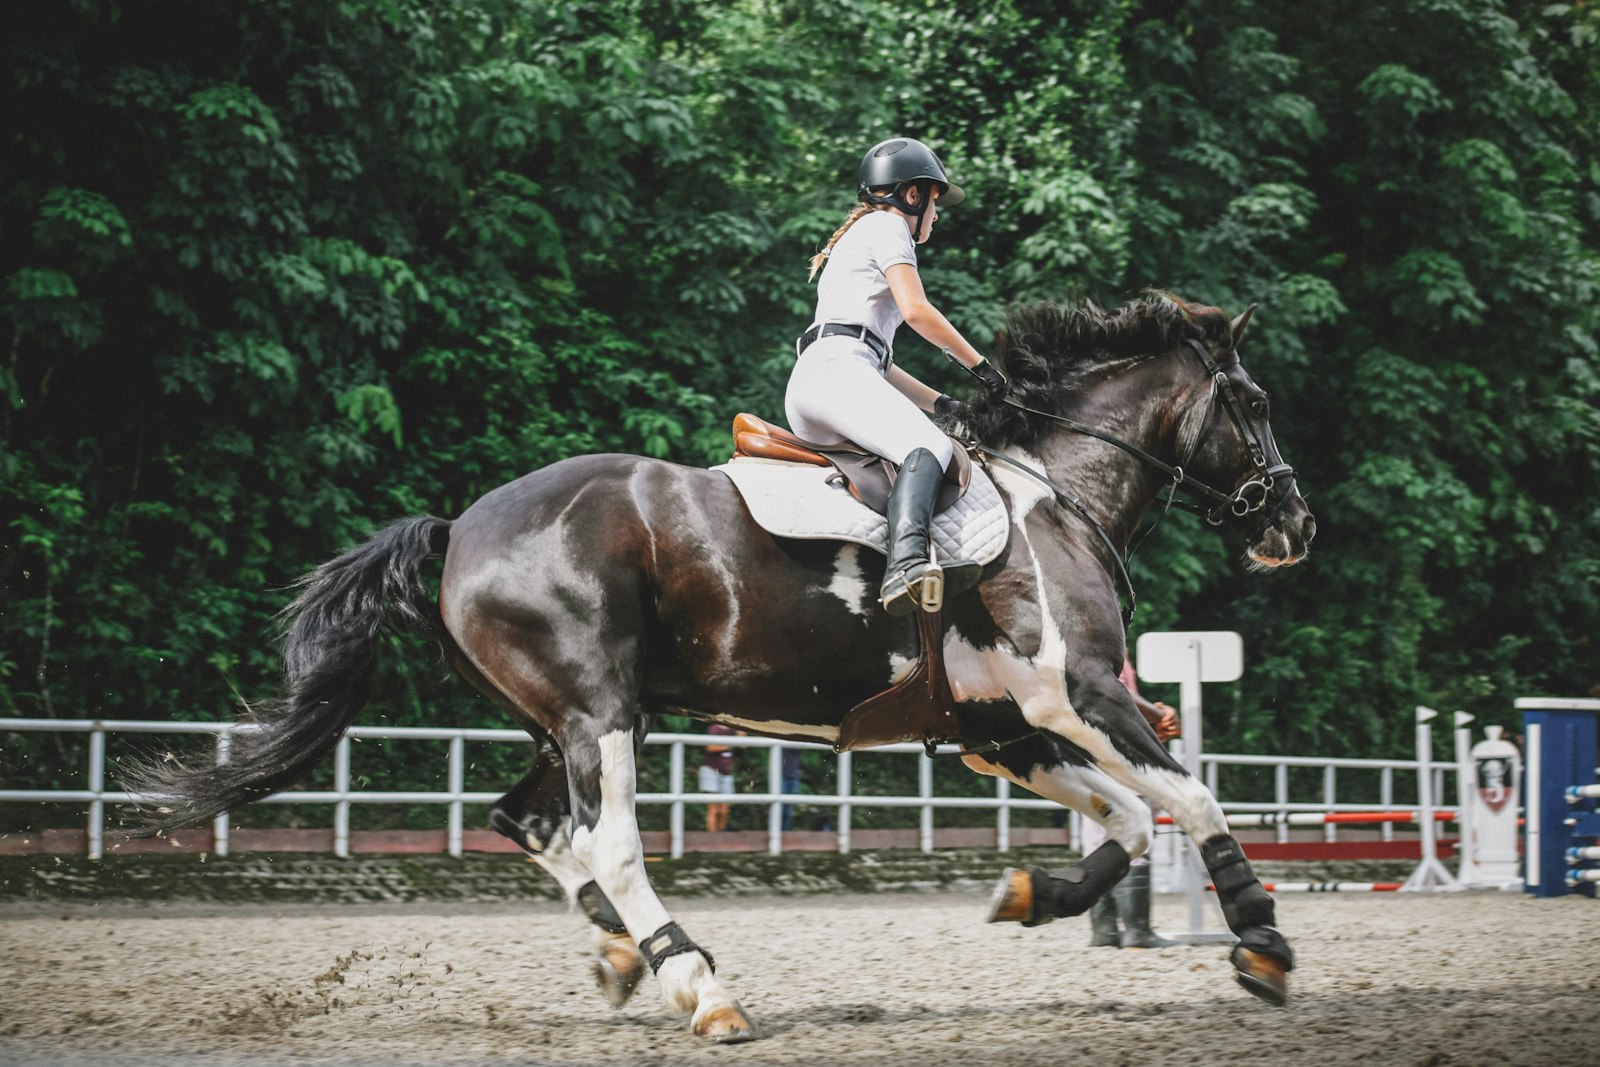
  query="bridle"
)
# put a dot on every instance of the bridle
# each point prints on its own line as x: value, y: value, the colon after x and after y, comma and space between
x: 1250, y: 497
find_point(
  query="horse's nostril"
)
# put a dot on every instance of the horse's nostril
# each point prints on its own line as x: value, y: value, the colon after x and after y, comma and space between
x: 1308, y: 529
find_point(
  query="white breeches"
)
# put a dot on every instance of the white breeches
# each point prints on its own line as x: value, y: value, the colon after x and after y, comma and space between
x: 836, y: 394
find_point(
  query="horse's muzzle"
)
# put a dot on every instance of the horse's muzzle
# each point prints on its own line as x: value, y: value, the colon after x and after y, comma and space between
x: 1286, y: 538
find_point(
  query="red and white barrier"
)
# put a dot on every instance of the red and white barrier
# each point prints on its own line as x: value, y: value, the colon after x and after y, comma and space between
x: 1269, y: 819
x: 1327, y: 887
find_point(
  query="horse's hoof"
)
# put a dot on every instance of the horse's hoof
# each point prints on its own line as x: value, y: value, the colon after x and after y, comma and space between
x: 727, y: 1025
x: 619, y: 969
x: 1264, y: 975
x: 1012, y: 901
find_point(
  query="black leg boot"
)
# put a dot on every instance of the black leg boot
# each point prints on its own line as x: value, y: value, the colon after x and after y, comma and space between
x: 911, y: 501
x: 1133, y: 902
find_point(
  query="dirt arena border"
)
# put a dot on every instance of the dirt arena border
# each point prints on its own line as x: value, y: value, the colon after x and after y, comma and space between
x: 872, y: 958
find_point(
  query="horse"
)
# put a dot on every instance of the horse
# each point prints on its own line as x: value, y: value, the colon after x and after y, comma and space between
x: 599, y: 591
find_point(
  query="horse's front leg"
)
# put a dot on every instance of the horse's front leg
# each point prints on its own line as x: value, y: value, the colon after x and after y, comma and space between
x: 1033, y: 896
x: 1098, y: 716
x: 1126, y: 748
x: 602, y: 775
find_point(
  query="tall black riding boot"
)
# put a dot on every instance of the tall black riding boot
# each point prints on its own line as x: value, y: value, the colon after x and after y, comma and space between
x: 1103, y: 930
x: 1133, y: 902
x: 911, y: 503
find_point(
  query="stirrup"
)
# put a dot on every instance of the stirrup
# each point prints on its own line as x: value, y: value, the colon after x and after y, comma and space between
x: 929, y: 592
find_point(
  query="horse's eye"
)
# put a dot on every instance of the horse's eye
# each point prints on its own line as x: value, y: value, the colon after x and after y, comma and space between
x: 1259, y: 406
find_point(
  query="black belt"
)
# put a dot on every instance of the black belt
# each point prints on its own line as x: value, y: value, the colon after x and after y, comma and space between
x: 845, y: 329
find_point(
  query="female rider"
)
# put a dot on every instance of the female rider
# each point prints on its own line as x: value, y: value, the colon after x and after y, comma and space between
x: 845, y: 385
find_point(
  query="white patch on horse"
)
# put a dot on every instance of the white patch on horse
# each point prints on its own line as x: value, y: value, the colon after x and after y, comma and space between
x: 847, y: 583
x: 777, y: 726
x: 1025, y: 492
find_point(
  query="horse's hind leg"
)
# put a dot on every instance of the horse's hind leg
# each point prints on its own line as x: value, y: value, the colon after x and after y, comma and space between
x: 536, y: 815
x: 605, y: 838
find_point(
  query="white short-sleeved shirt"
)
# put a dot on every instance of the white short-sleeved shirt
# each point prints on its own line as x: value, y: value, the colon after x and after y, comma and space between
x: 854, y: 287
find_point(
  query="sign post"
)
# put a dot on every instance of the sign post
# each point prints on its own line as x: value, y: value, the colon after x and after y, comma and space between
x: 1191, y: 658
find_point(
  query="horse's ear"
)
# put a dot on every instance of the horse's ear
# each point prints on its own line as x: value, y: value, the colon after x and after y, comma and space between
x: 1238, y: 325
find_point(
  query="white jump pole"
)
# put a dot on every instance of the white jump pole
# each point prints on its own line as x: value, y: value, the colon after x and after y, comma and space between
x: 1430, y: 875
x: 1466, y: 787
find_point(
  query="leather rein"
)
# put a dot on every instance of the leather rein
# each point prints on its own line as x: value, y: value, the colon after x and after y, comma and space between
x: 1252, y: 496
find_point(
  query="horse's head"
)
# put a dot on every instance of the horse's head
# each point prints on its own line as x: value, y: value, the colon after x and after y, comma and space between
x: 1225, y: 441
x: 1164, y: 376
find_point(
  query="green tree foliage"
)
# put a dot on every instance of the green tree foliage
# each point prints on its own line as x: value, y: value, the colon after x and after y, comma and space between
x: 275, y: 273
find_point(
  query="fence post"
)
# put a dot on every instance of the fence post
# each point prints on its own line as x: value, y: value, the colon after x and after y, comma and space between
x: 97, y: 785
x: 844, y: 809
x: 1280, y: 787
x: 925, y: 791
x: 1386, y: 799
x: 221, y: 825
x: 775, y: 810
x: 341, y: 808
x: 1330, y: 831
x: 1002, y: 827
x: 675, y: 814
x: 458, y: 782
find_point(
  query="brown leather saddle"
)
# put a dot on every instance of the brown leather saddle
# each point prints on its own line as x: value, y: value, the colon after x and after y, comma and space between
x: 868, y: 475
x: 919, y: 707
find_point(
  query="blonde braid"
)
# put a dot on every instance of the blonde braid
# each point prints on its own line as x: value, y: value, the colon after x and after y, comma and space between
x: 822, y: 257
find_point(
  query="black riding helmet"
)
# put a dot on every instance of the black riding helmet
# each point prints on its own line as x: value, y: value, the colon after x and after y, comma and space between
x: 900, y: 163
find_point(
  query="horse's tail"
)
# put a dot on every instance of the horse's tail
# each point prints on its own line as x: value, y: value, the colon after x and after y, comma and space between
x: 328, y: 655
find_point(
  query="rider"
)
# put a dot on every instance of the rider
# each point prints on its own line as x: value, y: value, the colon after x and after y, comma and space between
x: 845, y: 384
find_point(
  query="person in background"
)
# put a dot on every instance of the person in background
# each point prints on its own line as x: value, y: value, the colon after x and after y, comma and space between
x: 791, y: 783
x: 716, y: 776
x: 1129, y: 899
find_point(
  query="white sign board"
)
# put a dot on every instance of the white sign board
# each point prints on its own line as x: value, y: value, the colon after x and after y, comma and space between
x: 1170, y: 657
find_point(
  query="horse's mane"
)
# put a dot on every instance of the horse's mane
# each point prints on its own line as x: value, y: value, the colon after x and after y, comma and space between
x: 1047, y: 349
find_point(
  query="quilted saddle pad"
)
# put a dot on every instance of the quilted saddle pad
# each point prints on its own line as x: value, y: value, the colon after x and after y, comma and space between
x: 797, y: 500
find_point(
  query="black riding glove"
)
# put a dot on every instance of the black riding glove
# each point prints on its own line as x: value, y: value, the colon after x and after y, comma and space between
x: 994, y: 383
x: 949, y: 405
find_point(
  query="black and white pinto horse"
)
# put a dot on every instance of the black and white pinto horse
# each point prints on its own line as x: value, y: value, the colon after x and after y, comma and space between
x: 591, y: 594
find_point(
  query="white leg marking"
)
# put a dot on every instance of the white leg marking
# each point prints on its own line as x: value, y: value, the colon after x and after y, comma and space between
x: 559, y: 862
x: 613, y: 852
x: 1092, y: 792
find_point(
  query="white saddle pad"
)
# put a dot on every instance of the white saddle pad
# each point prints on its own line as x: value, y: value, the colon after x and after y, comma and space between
x: 796, y: 500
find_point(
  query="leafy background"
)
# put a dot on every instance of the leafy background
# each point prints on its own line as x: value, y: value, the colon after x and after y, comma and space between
x: 277, y: 272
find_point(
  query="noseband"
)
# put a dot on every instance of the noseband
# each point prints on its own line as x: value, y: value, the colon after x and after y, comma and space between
x: 1253, y: 495
x: 1250, y: 497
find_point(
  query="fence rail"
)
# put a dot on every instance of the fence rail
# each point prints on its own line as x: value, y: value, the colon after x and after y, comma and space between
x: 455, y: 797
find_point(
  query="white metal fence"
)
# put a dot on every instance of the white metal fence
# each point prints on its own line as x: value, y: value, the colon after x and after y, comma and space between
x: 455, y: 796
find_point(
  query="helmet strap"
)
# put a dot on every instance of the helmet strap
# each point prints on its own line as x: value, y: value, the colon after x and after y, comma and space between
x: 896, y: 198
